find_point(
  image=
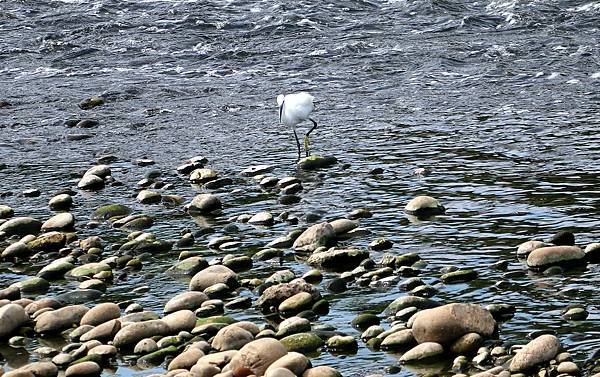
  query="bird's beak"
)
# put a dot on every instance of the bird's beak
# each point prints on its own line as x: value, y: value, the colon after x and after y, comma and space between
x: 281, y: 111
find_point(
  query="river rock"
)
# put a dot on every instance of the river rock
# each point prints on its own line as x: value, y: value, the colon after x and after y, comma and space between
x: 20, y: 226
x: 102, y: 332
x: 424, y: 206
x: 6, y: 211
x: 134, y: 332
x: 273, y: 296
x: 135, y: 222
x: 539, y: 351
x: 101, y: 171
x: 57, y: 269
x: 466, y: 344
x: 48, y: 242
x: 186, y: 300
x: 317, y: 235
x: 302, y: 342
x: 41, y: 369
x: 342, y: 226
x: 321, y: 371
x: 111, y: 211
x: 64, y: 221
x: 527, y: 247
x: 12, y: 316
x: 148, y: 197
x: 204, y: 204
x: 189, y: 266
x: 60, y: 319
x: 61, y: 202
x: 262, y: 218
x: 447, y: 323
x: 10, y: 293
x: 101, y: 313
x: 213, y: 275
x: 592, y: 252
x: 17, y: 250
x: 90, y: 182
x: 398, y: 340
x: 83, y: 369
x: 89, y: 269
x: 104, y: 350
x: 257, y: 356
x: 253, y: 171
x: 554, y: 255
x: 404, y: 302
x: 316, y: 162
x: 231, y: 337
x: 181, y: 320
x: 338, y: 259
x: 342, y: 343
x: 186, y: 359
x: 422, y: 351
x: 32, y: 284
x: 293, y: 361
x: 296, y: 303
x: 293, y: 325
x: 79, y: 296
x: 203, y: 175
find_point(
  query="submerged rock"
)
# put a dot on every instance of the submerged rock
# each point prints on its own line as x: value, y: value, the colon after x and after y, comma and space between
x: 424, y: 206
x: 111, y: 211
x: 6, y: 211
x: 316, y: 162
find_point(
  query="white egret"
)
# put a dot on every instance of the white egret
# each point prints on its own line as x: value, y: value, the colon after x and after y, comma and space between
x: 294, y: 109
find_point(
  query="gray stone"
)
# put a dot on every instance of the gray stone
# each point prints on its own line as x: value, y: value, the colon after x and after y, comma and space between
x: 12, y: 316
x: 539, y: 351
x: 20, y: 226
x: 421, y: 352
x: 338, y: 259
x: 64, y: 221
x: 204, y: 204
x: 424, y: 206
x: 317, y: 235
x: 554, y: 255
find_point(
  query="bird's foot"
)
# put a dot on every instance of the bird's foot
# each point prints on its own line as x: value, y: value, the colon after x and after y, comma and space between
x: 307, y: 145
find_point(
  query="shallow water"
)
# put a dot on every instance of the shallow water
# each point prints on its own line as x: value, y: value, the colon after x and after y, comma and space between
x: 498, y: 98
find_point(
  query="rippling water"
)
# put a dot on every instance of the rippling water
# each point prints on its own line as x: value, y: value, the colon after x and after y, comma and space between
x: 500, y: 99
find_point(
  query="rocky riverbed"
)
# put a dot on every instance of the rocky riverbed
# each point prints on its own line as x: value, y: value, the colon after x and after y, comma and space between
x: 175, y: 276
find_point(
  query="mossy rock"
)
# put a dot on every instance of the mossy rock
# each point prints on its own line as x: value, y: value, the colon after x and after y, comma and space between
x: 316, y: 162
x: 215, y: 319
x: 111, y: 211
x: 303, y: 342
x: 459, y: 276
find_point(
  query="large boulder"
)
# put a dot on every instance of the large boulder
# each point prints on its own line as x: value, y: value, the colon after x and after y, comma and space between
x: 214, y: 275
x: 317, y: 235
x: 447, y: 323
x: 12, y: 316
x: 555, y: 255
x: 256, y: 356
x: 540, y: 350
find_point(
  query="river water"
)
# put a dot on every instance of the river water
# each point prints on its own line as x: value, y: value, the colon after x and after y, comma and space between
x: 499, y: 99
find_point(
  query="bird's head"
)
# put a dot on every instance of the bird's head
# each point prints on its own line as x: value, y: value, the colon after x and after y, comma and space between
x: 280, y: 100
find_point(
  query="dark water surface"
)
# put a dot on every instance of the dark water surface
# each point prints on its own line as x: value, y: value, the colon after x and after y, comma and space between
x: 500, y: 99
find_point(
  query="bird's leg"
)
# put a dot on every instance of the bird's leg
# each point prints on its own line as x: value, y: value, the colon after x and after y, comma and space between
x: 298, y: 144
x: 307, y: 139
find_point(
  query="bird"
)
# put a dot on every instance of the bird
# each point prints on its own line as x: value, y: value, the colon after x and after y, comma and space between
x: 295, y: 108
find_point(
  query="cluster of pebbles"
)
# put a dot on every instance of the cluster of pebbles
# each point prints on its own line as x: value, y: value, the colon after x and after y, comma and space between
x: 196, y: 335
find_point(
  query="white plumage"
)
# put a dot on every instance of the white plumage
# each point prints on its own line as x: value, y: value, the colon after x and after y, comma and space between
x: 294, y: 109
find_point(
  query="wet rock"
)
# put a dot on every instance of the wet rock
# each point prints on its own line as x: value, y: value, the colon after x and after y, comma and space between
x: 79, y: 296
x: 555, y: 255
x: 293, y: 325
x: 342, y: 226
x: 273, y: 296
x: 292, y: 189
x: 56, y: 269
x: 91, y: 102
x: 365, y: 320
x: 186, y: 359
x: 592, y: 252
x: 398, y: 340
x: 381, y: 244
x: 12, y: 316
x: 103, y: 332
x: 262, y: 218
x: 10, y: 293
x: 189, y: 266
x: 61, y: 202
x: 237, y: 263
x: 6, y: 211
x: 466, y: 344
x: 563, y: 238
x: 89, y: 269
x: 17, y: 250
x: 60, y: 319
x: 134, y: 222
x: 338, y: 259
x: 104, y: 350
x: 181, y: 320
x: 204, y: 204
x: 148, y: 197
x: 172, y: 200
x: 134, y: 332
x: 83, y: 369
x: 256, y: 170
x: 186, y: 300
x: 203, y: 175
x: 575, y: 314
x: 32, y: 285
x: 424, y: 206
x: 257, y: 356
x: 302, y: 342
x: 527, y: 247
x: 296, y: 303
x: 295, y: 362
x: 111, y: 211
x: 281, y: 276
x: 145, y: 346
x: 321, y: 371
x: 568, y: 367
x: 313, y: 276
x: 539, y: 351
x: 316, y: 162
x: 213, y: 275
x: 48, y: 242
x: 342, y: 343
x: 192, y: 164
x: 90, y: 182
x: 62, y: 222
x: 422, y: 351
x: 231, y: 337
x: 404, y: 302
x: 101, y: 313
x: 20, y: 226
x: 447, y: 323
x: 459, y: 276
x: 317, y: 235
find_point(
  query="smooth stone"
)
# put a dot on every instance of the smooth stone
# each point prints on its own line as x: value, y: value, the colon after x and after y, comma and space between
x: 295, y: 362
x: 6, y: 211
x: 181, y: 320
x: 95, y: 284
x: 321, y: 371
x: 111, y: 211
x: 186, y: 359
x: 203, y: 175
x: 204, y: 204
x: 528, y: 246
x: 408, y: 301
x: 48, y: 242
x: 273, y: 296
x: 89, y: 269
x: 83, y: 369
x: 563, y: 238
x: 316, y: 162
x: 145, y: 346
x: 17, y: 250
x: 568, y: 367
x: 91, y: 102
x: 186, y: 300
x: 134, y: 332
x: 447, y: 323
x: 459, y: 276
x: 262, y: 218
x: 189, y: 266
x: 213, y: 275
x: 12, y: 316
x: 61, y: 202
x: 553, y: 255
x: 79, y: 296
x: 103, y: 332
x: 302, y: 342
x: 381, y: 244
x: 56, y: 269
x: 148, y: 197
x: 315, y: 236
x: 257, y: 356
x: 279, y: 372
x: 104, y: 350
x: 281, y: 276
x: 338, y: 259
x: 398, y: 340
x: 101, y: 313
x: 10, y: 293
x: 293, y: 325
x: 576, y: 314
x: 424, y: 206
x: 231, y: 337
x: 60, y: 319
x: 341, y: 343
x: 372, y: 332
x: 63, y: 222
x: 32, y: 285
x: 91, y: 182
x: 20, y: 226
x: 539, y: 351
x: 466, y: 344
x: 422, y: 351
x: 592, y: 252
x: 342, y: 226
x: 365, y: 320
x: 296, y: 303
